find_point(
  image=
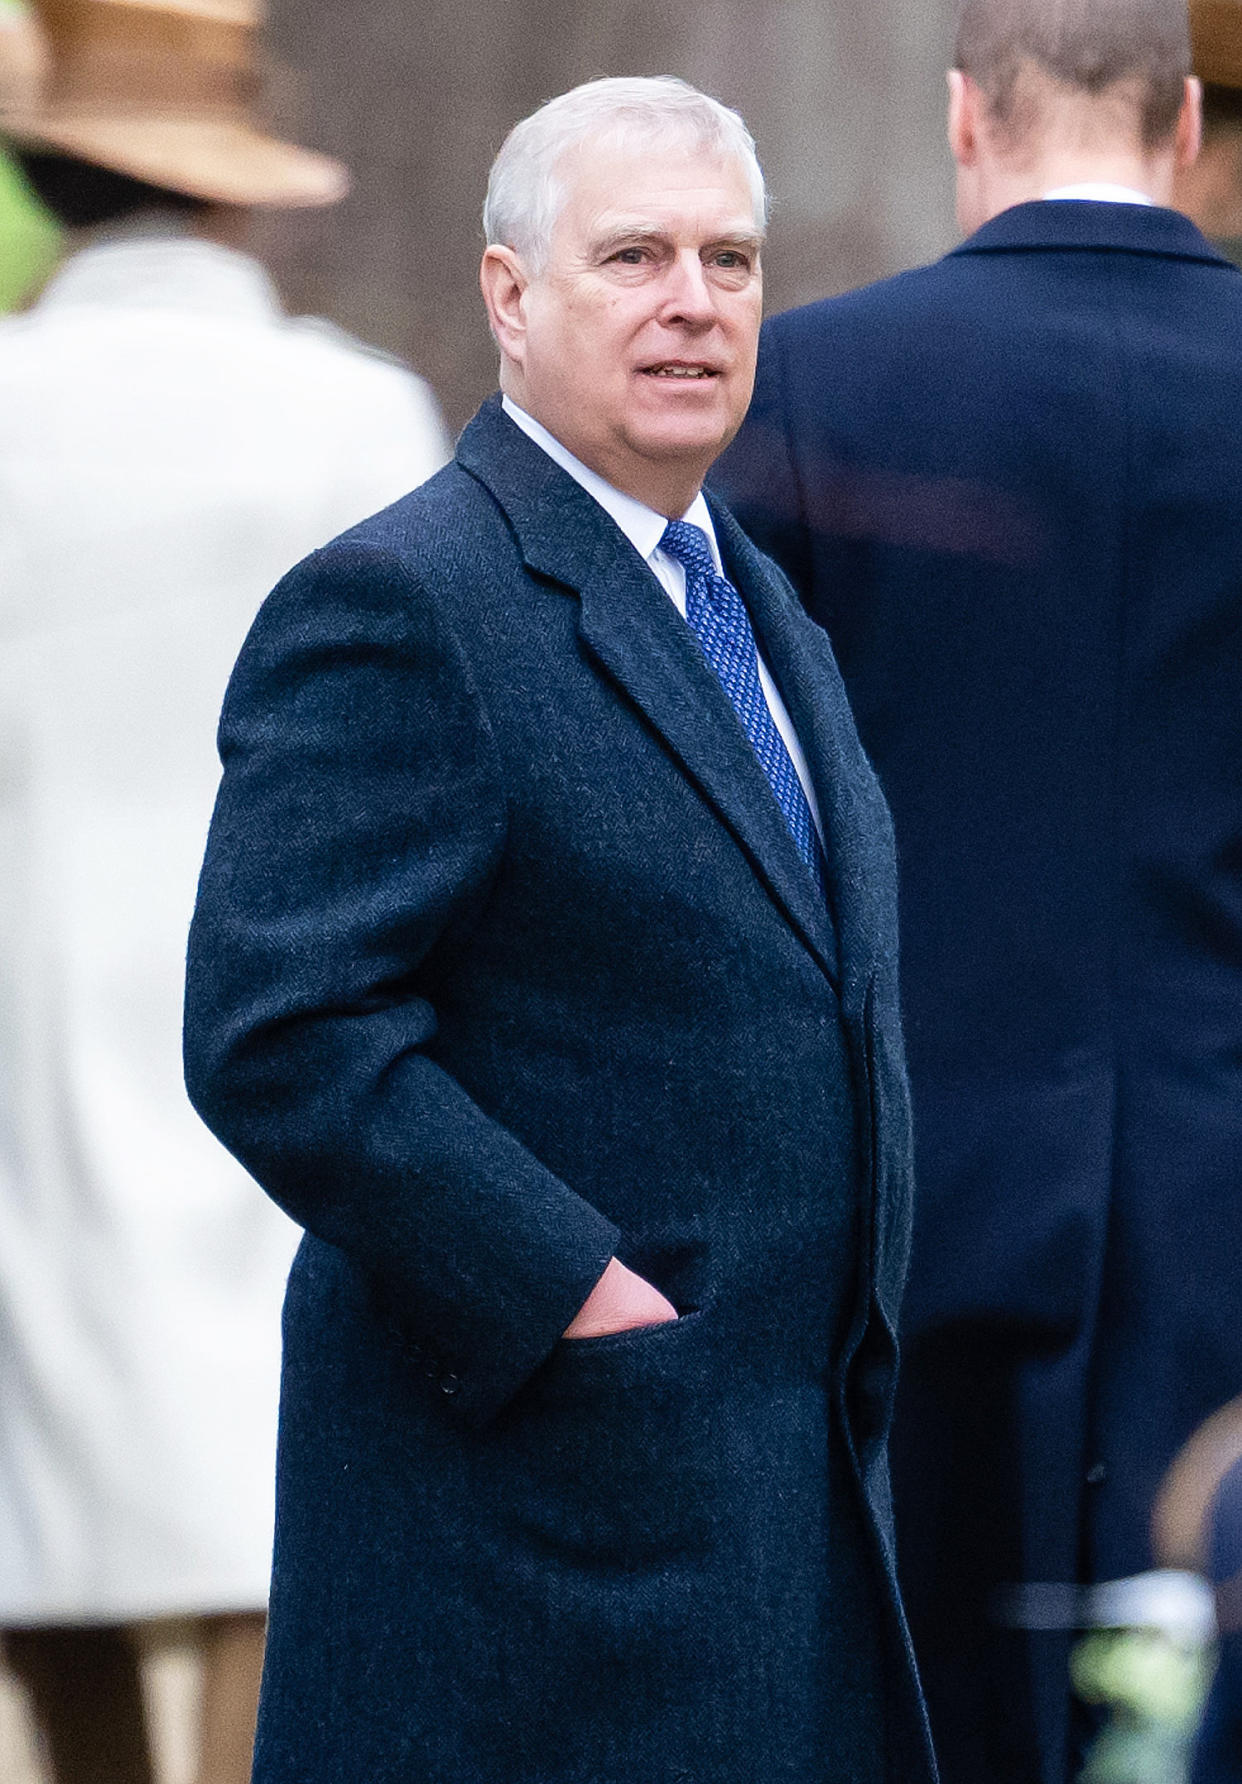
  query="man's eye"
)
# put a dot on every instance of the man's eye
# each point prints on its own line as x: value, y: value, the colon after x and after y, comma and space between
x: 630, y: 256
x: 731, y: 260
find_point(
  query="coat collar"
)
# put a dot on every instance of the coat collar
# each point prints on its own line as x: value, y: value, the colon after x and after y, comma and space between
x: 631, y: 628
x: 1084, y: 224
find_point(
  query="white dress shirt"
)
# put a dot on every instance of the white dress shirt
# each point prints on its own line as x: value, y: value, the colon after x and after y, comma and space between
x: 644, y: 529
x: 1101, y: 192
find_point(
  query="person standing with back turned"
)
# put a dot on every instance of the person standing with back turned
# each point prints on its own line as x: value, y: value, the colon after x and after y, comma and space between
x: 1008, y: 485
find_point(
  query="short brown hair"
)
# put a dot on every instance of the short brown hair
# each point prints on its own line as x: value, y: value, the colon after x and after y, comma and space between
x: 1089, y: 45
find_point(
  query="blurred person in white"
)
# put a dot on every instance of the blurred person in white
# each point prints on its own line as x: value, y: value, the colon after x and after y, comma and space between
x: 169, y: 442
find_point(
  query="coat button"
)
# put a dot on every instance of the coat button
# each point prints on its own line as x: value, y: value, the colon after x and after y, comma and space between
x: 449, y: 1384
x: 1097, y: 1474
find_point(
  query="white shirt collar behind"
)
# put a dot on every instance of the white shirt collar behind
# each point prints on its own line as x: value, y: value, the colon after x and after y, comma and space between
x: 642, y: 526
x: 1102, y: 192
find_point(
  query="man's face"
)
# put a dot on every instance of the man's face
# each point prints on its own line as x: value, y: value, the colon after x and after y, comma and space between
x: 638, y: 352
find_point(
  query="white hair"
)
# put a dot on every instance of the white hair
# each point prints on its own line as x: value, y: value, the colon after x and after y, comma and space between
x: 524, y: 193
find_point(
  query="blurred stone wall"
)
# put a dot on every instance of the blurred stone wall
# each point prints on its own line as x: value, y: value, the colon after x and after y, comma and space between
x: 845, y: 97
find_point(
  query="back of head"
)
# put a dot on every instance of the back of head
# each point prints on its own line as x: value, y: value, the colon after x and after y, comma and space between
x: 1129, y: 53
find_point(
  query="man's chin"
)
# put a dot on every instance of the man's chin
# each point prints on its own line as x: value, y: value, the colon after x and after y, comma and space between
x: 684, y: 439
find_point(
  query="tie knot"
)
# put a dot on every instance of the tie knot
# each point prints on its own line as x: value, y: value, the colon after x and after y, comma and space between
x: 688, y: 544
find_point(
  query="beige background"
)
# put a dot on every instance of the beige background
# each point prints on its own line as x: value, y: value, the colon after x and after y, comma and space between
x: 845, y: 97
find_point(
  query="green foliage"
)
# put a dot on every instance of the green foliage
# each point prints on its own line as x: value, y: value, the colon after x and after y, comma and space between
x: 29, y: 239
x: 1154, y: 1688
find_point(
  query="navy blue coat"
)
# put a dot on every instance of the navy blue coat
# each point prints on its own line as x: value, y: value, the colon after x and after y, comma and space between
x: 1010, y: 486
x: 504, y: 962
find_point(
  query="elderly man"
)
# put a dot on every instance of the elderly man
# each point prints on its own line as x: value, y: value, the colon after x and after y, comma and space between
x: 543, y: 969
x: 1008, y: 485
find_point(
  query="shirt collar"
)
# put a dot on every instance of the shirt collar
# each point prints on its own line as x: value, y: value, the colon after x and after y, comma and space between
x: 1101, y: 192
x: 642, y: 526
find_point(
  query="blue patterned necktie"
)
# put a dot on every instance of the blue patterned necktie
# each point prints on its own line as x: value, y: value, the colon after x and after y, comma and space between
x: 722, y: 626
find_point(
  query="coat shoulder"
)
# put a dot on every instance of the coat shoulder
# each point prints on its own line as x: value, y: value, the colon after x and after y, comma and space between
x: 918, y: 288
x: 840, y: 338
x: 449, y: 537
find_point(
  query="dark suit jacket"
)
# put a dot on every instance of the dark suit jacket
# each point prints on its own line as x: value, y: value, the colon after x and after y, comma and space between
x: 1010, y: 486
x: 505, y: 961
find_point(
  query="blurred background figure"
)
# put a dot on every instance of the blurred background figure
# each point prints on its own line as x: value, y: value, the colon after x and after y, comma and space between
x: 1210, y: 191
x: 1008, y: 486
x: 170, y: 442
x: 1219, y: 1758
x: 1198, y: 1525
x: 27, y: 233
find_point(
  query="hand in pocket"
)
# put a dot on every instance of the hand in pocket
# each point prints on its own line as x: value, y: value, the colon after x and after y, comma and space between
x: 620, y: 1301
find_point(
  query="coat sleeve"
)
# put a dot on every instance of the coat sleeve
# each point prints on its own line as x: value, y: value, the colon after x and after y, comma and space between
x: 360, y: 820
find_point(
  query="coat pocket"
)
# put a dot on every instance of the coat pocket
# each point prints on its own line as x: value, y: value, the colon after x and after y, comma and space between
x: 614, y: 1446
x: 620, y: 1353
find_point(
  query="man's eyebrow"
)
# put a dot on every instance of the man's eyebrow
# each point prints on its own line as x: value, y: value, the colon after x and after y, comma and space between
x: 624, y: 235
x: 740, y: 238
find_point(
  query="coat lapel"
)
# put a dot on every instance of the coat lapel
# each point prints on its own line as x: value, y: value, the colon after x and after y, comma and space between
x: 630, y: 627
x: 851, y: 808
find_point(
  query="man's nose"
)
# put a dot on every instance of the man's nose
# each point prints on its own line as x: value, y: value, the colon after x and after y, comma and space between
x: 688, y: 295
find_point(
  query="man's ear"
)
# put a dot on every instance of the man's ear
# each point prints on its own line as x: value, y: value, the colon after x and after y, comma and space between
x: 504, y: 282
x: 1190, y: 124
x: 963, y: 118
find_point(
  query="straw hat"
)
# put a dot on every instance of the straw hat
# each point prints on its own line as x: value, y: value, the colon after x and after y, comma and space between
x: 1216, y: 32
x: 162, y: 90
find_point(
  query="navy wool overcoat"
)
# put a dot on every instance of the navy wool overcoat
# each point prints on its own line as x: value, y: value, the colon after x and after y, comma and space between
x: 505, y: 962
x: 1010, y: 486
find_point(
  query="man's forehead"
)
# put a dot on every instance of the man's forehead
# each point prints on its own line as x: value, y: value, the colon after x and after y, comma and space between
x: 652, y: 169
x: 616, y: 188
x: 639, y: 222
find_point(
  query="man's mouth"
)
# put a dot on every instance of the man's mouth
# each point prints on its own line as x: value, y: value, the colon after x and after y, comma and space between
x: 676, y: 368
